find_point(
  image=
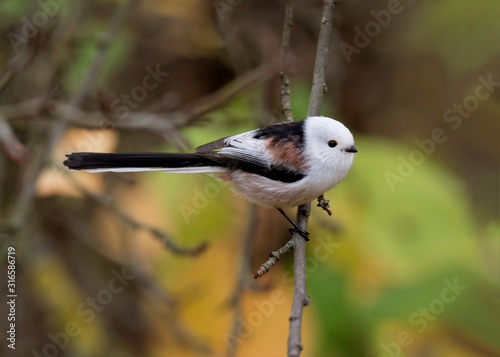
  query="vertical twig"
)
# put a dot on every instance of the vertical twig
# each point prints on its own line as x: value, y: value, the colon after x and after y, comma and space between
x: 319, y: 84
x: 286, y: 106
x: 300, y: 297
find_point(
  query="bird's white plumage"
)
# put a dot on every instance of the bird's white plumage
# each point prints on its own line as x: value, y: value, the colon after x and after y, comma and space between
x: 326, y: 167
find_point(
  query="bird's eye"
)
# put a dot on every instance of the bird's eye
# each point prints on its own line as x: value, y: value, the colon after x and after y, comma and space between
x: 332, y: 143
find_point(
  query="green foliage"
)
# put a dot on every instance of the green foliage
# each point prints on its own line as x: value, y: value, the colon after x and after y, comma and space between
x: 460, y: 32
x: 424, y: 236
x: 12, y: 9
x: 342, y: 325
x: 426, y: 217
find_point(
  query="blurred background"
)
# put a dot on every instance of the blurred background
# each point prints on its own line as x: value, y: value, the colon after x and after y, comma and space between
x: 152, y: 264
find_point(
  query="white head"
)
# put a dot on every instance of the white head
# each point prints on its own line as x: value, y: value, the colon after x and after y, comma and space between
x: 329, y: 147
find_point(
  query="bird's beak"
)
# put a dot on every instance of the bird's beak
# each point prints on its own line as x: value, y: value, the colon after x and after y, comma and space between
x: 352, y: 149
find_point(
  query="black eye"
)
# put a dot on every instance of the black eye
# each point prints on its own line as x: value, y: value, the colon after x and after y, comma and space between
x: 332, y: 143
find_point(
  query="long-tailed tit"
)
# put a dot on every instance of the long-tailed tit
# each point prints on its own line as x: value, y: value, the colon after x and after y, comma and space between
x: 280, y: 165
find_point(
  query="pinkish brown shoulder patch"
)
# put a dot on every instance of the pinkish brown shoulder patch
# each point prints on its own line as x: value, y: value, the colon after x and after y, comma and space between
x: 287, y: 154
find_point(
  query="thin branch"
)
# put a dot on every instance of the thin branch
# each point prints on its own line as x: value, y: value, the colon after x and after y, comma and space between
x: 319, y: 84
x: 324, y: 203
x: 109, y: 202
x: 287, y: 110
x: 300, y: 296
x: 273, y: 259
x: 166, y: 124
x: 165, y: 303
x: 285, y: 49
x: 230, y: 91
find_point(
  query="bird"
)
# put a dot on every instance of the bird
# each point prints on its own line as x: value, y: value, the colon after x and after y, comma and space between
x: 280, y: 165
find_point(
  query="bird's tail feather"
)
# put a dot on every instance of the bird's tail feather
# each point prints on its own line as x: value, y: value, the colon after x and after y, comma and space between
x: 132, y: 162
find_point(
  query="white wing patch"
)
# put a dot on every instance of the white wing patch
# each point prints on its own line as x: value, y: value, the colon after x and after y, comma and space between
x: 245, y: 147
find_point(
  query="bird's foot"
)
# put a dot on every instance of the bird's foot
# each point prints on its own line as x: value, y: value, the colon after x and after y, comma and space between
x: 304, y: 234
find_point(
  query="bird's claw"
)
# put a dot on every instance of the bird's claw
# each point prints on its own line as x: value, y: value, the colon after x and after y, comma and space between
x: 304, y: 234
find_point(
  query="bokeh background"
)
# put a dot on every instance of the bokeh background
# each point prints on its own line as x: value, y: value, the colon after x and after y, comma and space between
x: 150, y: 264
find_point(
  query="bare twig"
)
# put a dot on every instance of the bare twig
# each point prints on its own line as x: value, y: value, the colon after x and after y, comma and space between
x: 285, y: 49
x: 324, y: 203
x: 109, y: 202
x: 231, y: 90
x: 164, y: 302
x: 273, y: 259
x: 319, y: 84
x: 300, y: 296
x: 165, y: 124
x: 243, y: 282
x: 287, y: 110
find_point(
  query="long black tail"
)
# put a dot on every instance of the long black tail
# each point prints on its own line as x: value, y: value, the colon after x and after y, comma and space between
x: 152, y: 160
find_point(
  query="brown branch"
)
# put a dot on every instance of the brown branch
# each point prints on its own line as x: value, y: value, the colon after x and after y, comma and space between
x: 273, y: 259
x: 231, y: 90
x: 165, y: 303
x: 165, y: 124
x: 319, y: 84
x: 110, y: 203
x: 300, y: 296
x: 287, y: 110
x: 324, y: 203
x: 286, y: 106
